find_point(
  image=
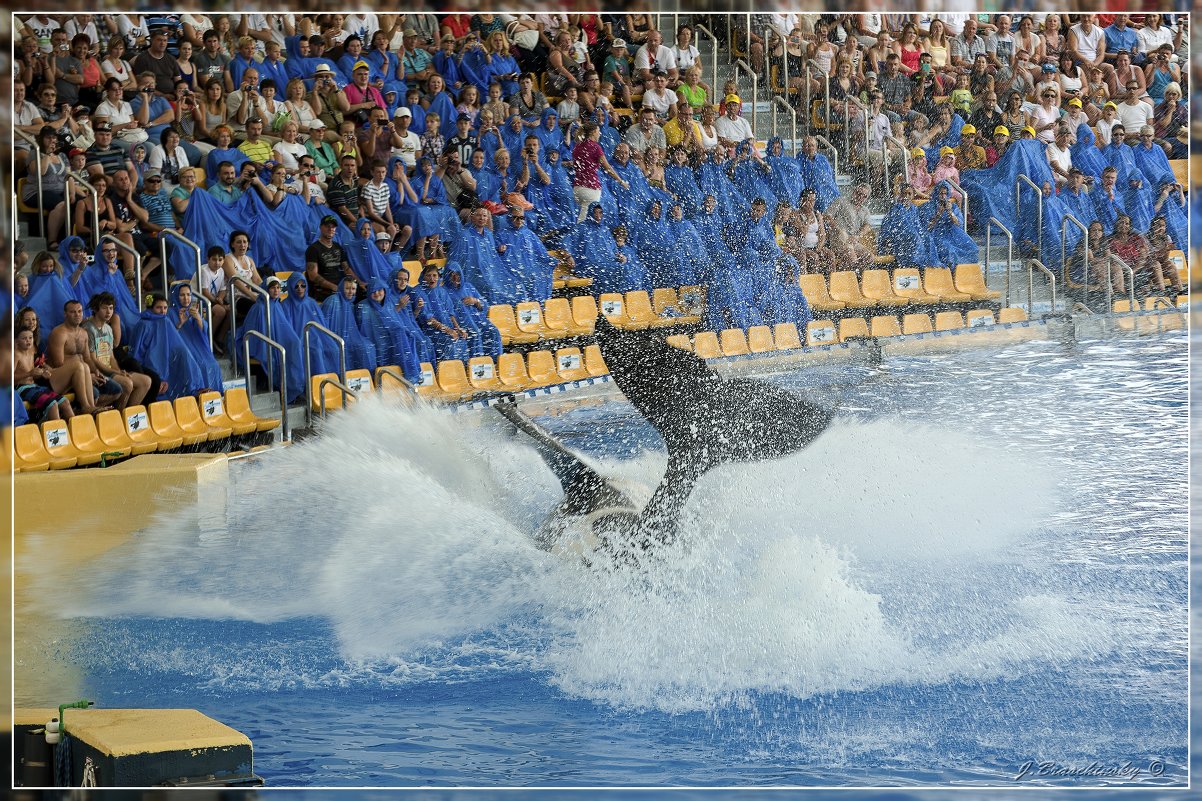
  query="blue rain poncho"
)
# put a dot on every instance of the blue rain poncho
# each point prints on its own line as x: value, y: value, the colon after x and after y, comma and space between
x: 488, y: 182
x: 485, y: 338
x: 158, y: 345
x: 448, y: 68
x: 1085, y: 154
x: 730, y: 301
x: 283, y: 333
x: 339, y: 313
x: 653, y: 239
x: 1027, y: 234
x: 403, y: 301
x: 503, y: 64
x: 1121, y: 156
x: 751, y: 179
x: 473, y: 69
x: 554, y: 202
x: 48, y: 293
x: 490, y: 143
x: 476, y: 251
x: 758, y: 255
x: 950, y: 139
x: 631, y: 201
x: 323, y: 352
x: 99, y: 278
x: 438, y: 306
x: 438, y: 216
x: 69, y: 268
x: 949, y: 243
x: 365, y: 259
x: 1153, y: 164
x: 526, y: 259
x: 713, y: 180
x: 548, y: 131
x: 195, y: 336
x: 593, y: 248
x: 817, y: 174
x: 405, y: 210
x: 682, y: 182
x: 711, y: 229
x: 382, y: 326
x: 442, y: 105
x: 785, y: 179
x: 219, y: 154
x: 690, y: 260
x: 513, y: 138
x: 991, y: 192
x: 904, y: 235
x: 1106, y: 209
x: 782, y: 300
x: 610, y: 136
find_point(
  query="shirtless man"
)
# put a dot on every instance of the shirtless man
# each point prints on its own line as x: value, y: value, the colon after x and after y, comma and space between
x: 26, y: 372
x: 134, y: 386
x: 67, y: 353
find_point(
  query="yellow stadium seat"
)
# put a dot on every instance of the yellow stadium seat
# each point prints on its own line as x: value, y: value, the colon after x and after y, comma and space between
x: 640, y: 312
x: 165, y: 427
x: 948, y: 320
x: 916, y: 324
x: 907, y: 283
x: 846, y: 289
x: 414, y: 268
x: 1012, y: 314
x: 283, y: 275
x: 22, y: 206
x: 30, y: 454
x: 786, y: 336
x: 333, y: 396
x: 1123, y: 306
x: 705, y: 345
x: 669, y: 310
x: 360, y: 381
x: 427, y: 384
x: 584, y: 314
x: 877, y: 287
x: 733, y: 342
x: 759, y: 339
x: 511, y: 371
x: 663, y: 299
x: 938, y: 281
x: 1183, y: 301
x: 85, y: 437
x: 529, y: 317
x: 971, y: 281
x: 681, y: 341
x: 452, y: 379
x: 59, y: 444
x: 569, y: 363
x: 385, y: 379
x: 613, y: 307
x: 850, y: 327
x: 482, y: 374
x: 821, y: 332
x: 110, y: 427
x: 690, y: 299
x: 1177, y: 259
x: 594, y: 362
x: 557, y: 314
x: 884, y: 325
x: 814, y: 288
x: 212, y: 409
x: 978, y: 318
x: 187, y: 414
x: 137, y: 426
x: 237, y: 406
x: 540, y: 366
x: 501, y: 315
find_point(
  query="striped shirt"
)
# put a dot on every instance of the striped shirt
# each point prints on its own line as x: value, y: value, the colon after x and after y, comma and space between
x: 376, y: 196
x: 259, y: 152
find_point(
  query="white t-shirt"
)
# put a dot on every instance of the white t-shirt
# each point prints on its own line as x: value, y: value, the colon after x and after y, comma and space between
x: 1061, y: 158
x: 1103, y: 127
x: 42, y: 30
x: 131, y: 29
x: 661, y: 103
x: 289, y: 154
x: 1135, y: 116
x: 735, y: 130
x: 72, y: 28
x: 685, y: 58
x: 663, y: 59
x: 122, y: 72
x: 214, y: 282
x: 117, y: 113
x: 1150, y: 39
x: 408, y: 150
x: 1087, y: 43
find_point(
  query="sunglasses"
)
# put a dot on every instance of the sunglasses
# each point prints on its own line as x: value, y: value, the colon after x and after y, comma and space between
x: 153, y: 181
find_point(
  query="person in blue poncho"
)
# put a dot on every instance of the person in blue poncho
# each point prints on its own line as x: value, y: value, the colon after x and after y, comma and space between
x: 592, y: 248
x: 1085, y: 154
x: 1076, y: 199
x: 73, y: 258
x: 473, y: 67
x: 281, y: 331
x: 488, y: 184
x: 381, y: 326
x: 818, y: 174
x: 1150, y: 159
x: 300, y: 309
x: 438, y: 216
x: 713, y: 180
x: 339, y: 311
x: 681, y: 181
x: 710, y: 226
x: 223, y: 152
x: 1108, y: 200
x: 782, y: 300
x: 548, y: 132
x: 406, y: 206
x: 362, y: 253
x: 785, y: 176
x: 903, y: 233
x: 385, y: 63
x: 524, y: 256
x: 655, y: 244
x: 690, y: 258
x: 502, y: 67
x: 157, y: 344
x: 471, y: 311
x: 477, y: 252
x: 950, y: 244
x: 553, y: 200
x: 513, y: 136
x: 194, y: 331
x: 446, y: 64
x: 406, y: 304
x: 49, y: 290
x: 1031, y: 241
x: 757, y: 253
x: 437, y: 318
x: 632, y: 198
x: 750, y: 175
x: 438, y: 101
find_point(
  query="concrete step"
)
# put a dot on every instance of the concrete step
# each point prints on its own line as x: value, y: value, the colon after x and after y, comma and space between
x: 34, y: 244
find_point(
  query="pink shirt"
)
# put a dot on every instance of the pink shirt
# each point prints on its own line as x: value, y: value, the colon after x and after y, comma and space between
x: 587, y: 157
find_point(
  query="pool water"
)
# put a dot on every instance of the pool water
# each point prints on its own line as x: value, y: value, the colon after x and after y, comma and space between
x: 982, y: 564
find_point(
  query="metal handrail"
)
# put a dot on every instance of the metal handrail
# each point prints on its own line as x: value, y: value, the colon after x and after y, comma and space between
x: 286, y: 432
x: 171, y: 233
x: 1018, y: 184
x: 826, y: 81
x: 388, y: 372
x: 740, y: 64
x: 321, y: 388
x: 237, y: 279
x: 1032, y: 263
x: 137, y: 266
x: 72, y: 178
x: 1064, y: 261
x: 700, y: 29
x: 779, y: 101
x: 1110, y: 288
x: 37, y: 163
x: 885, y: 157
x: 822, y: 140
x: 963, y: 201
x: 867, y: 161
x: 205, y: 304
x: 309, y: 326
x: 1009, y: 250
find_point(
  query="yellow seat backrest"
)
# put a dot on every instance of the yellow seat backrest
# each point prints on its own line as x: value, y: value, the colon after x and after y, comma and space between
x: 1012, y: 314
x: 978, y: 317
x: 876, y: 284
x: 663, y: 298
x: 613, y: 306
x: 852, y: 327
x: 540, y: 366
x: 482, y: 373
x: 759, y: 339
x: 705, y: 345
x: 594, y: 361
x: 814, y: 288
x: 333, y: 395
x: 885, y: 325
x: 821, y: 332
x: 452, y: 378
x: 786, y: 336
x: 638, y: 306
x: 427, y: 381
x: 844, y: 286
x: 681, y: 341
x: 511, y: 370
x: 529, y: 316
x: 557, y: 314
x: 569, y: 363
x: 916, y: 324
x: 948, y: 320
x: 584, y: 311
x: 733, y: 342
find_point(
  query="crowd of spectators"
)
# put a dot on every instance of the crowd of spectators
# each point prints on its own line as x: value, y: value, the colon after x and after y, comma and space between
x: 508, y: 144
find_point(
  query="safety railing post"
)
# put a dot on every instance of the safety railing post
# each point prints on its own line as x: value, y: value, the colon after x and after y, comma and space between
x: 341, y: 343
x: 822, y: 140
x: 1018, y: 185
x: 286, y: 433
x: 1130, y: 282
x: 1009, y: 250
x: 885, y: 142
x: 1085, y: 259
x: 1031, y: 264
x: 74, y: 179
x: 37, y: 165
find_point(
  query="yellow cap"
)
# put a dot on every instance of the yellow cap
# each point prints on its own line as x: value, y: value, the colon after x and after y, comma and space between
x: 945, y: 151
x: 361, y: 64
x: 968, y: 129
x: 917, y: 152
x: 1029, y: 130
x: 1001, y: 129
x: 732, y: 99
x: 1110, y: 104
x: 1076, y: 101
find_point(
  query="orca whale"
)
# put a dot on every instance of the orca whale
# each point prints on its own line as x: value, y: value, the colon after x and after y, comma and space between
x: 704, y: 420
